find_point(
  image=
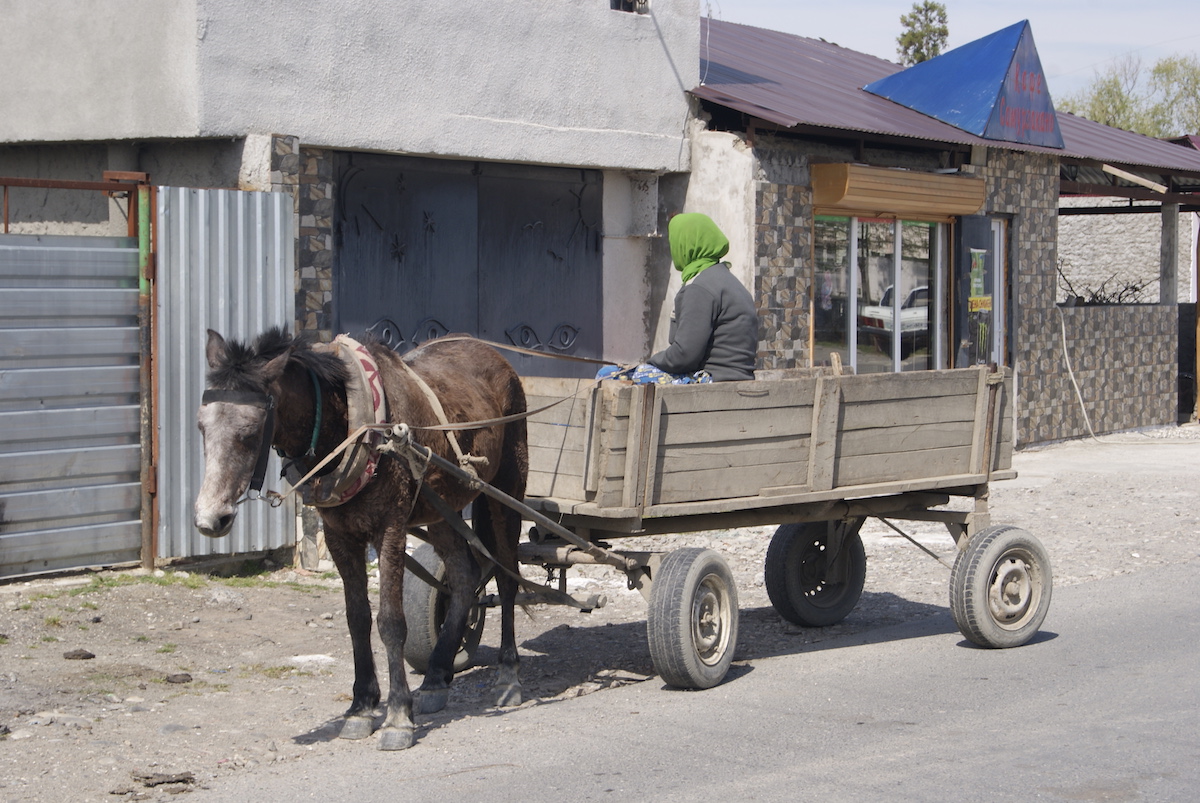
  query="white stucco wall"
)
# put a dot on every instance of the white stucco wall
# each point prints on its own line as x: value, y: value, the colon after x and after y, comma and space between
x: 94, y: 70
x: 721, y: 185
x: 542, y: 81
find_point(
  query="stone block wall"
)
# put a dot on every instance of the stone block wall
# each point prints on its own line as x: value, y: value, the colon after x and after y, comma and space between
x: 307, y: 173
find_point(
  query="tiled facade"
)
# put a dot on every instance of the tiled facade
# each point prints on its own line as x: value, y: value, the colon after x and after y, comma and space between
x: 783, y: 271
x: 307, y: 173
x: 1123, y: 357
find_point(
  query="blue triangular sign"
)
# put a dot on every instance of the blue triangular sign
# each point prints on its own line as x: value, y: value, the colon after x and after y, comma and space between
x: 993, y: 87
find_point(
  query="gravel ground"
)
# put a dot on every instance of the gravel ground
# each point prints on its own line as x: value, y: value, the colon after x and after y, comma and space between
x: 194, y: 675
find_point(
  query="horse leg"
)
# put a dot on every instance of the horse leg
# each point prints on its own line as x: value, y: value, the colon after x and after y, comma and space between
x: 500, y: 528
x: 396, y: 732
x: 462, y: 577
x: 358, y: 721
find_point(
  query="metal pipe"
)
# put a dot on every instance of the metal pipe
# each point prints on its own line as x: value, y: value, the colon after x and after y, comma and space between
x: 145, y: 380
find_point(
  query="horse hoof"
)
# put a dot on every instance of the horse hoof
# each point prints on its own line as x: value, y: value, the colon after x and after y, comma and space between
x: 356, y: 728
x: 509, y: 695
x: 431, y: 701
x: 396, y: 738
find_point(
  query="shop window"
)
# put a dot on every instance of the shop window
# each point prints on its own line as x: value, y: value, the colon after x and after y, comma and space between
x: 878, y: 293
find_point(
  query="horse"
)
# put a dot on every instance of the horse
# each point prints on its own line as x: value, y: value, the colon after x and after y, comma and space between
x: 312, y: 392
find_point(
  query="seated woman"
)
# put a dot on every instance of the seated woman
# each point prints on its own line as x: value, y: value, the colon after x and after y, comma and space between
x: 714, y: 331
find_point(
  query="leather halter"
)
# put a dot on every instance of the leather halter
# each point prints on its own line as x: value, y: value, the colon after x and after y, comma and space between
x: 262, y: 401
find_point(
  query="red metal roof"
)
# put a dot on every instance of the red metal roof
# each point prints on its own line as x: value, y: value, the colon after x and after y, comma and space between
x: 795, y: 81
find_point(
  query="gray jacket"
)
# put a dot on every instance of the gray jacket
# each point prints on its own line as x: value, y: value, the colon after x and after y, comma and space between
x: 715, y: 328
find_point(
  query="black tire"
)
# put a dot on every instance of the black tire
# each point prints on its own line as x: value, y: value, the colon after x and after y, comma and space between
x: 805, y: 583
x: 1000, y: 587
x: 693, y: 618
x: 425, y: 610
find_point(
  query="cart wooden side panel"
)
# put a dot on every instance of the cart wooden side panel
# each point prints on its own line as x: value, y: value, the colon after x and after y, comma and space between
x: 635, y: 447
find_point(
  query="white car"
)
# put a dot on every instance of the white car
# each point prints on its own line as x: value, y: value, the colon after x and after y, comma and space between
x: 875, y: 321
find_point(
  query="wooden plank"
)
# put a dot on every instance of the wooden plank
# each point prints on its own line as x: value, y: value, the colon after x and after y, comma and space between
x: 724, y: 482
x: 888, y: 440
x: 744, y: 396
x: 633, y: 449
x: 682, y: 429
x: 554, y: 436
x: 825, y: 416
x: 556, y: 461
x: 907, y: 412
x: 591, y: 465
x: 654, y: 414
x: 910, y: 385
x: 733, y: 455
x: 925, y: 464
x: 542, y: 483
x: 714, y: 471
x: 981, y: 419
x: 752, y: 504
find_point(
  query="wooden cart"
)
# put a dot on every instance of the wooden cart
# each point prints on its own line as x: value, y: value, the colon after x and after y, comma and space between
x: 814, y: 452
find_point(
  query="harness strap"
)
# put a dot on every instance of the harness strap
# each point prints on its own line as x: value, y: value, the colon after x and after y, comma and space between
x: 465, y: 461
x: 264, y: 450
x: 451, y: 517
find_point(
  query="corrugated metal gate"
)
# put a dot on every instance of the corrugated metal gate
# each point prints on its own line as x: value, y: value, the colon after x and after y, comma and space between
x: 225, y: 262
x: 70, y: 492
x: 70, y: 427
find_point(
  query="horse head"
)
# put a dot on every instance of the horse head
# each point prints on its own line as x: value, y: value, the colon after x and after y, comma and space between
x: 236, y: 422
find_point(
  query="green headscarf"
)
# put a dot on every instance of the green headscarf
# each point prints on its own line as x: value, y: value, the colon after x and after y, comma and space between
x: 696, y: 243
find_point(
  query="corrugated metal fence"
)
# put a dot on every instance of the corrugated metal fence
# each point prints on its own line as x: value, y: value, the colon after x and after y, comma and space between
x: 69, y: 424
x: 225, y: 262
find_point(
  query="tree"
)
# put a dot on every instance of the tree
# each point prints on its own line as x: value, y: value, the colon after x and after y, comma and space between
x: 925, y: 33
x: 1163, y: 101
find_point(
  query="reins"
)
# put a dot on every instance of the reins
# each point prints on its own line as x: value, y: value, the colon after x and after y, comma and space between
x: 388, y: 430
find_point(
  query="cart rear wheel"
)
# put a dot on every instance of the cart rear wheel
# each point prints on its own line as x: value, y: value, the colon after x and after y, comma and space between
x: 425, y: 610
x: 1000, y: 587
x: 693, y: 618
x: 808, y: 583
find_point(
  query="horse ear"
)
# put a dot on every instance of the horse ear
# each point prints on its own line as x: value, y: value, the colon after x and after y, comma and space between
x: 215, y: 350
x: 274, y: 369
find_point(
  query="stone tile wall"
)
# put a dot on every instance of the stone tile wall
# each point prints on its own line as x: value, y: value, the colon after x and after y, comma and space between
x: 783, y: 265
x: 1123, y: 357
x: 307, y: 173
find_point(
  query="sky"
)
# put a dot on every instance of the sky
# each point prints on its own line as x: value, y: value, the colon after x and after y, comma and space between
x: 1076, y: 39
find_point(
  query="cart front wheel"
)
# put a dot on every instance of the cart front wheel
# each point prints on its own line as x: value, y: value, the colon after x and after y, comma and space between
x: 693, y: 618
x: 1000, y: 587
x: 815, y: 571
x: 425, y: 610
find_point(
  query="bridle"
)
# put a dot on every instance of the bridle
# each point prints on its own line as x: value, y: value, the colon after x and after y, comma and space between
x: 263, y: 401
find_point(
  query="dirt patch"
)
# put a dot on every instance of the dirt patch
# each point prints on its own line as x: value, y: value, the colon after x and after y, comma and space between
x: 195, y: 675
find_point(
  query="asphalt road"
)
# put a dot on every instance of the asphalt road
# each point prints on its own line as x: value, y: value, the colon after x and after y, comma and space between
x: 1103, y: 705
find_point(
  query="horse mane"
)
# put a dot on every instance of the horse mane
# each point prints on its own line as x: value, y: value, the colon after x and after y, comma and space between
x: 243, y: 363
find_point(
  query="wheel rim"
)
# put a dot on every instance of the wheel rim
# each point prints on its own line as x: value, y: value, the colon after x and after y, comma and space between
x: 711, y: 619
x: 1015, y: 589
x: 812, y: 576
